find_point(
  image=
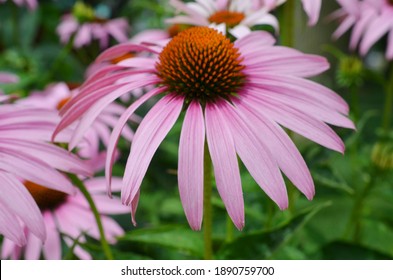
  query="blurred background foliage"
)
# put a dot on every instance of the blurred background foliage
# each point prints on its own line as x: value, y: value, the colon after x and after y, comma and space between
x: 351, y: 214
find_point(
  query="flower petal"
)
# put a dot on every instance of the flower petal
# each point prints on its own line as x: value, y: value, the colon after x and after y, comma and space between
x: 152, y: 130
x: 190, y: 170
x: 257, y: 158
x: 15, y: 197
x: 226, y: 169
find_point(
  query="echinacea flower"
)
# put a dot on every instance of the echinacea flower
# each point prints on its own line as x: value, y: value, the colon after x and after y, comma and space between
x: 237, y: 15
x: 84, y: 26
x: 236, y: 96
x: 56, y: 95
x: 371, y: 20
x: 31, y: 4
x: 26, y: 154
x: 68, y: 218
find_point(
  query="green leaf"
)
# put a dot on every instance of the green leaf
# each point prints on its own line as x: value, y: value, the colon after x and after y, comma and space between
x: 266, y: 244
x: 178, y: 238
x: 341, y: 250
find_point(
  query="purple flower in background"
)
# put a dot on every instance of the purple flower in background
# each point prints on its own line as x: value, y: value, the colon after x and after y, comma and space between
x: 68, y: 217
x: 236, y: 97
x: 31, y: 4
x: 55, y: 96
x: 83, y: 26
x: 370, y: 20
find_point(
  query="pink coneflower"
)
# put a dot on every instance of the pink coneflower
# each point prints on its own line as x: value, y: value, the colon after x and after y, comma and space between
x: 238, y: 16
x: 56, y: 95
x: 68, y: 218
x: 25, y: 154
x: 238, y: 94
x: 84, y: 26
x: 371, y: 20
x: 31, y: 4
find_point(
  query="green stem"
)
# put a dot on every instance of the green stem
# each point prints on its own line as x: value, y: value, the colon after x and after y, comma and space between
x: 355, y: 104
x: 229, y: 230
x: 354, y: 224
x: 61, y: 57
x: 104, y: 243
x: 207, y: 206
x: 288, y: 24
x: 387, y: 116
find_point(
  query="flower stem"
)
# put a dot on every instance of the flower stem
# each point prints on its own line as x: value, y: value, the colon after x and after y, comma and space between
x: 229, y: 230
x: 354, y: 224
x: 288, y: 24
x: 355, y: 104
x: 104, y: 243
x: 207, y: 206
x: 387, y: 116
x: 61, y: 57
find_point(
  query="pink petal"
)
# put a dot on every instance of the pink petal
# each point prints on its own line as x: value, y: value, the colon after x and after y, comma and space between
x: 257, y: 158
x: 301, y: 88
x: 286, y: 61
x: 312, y: 8
x: 152, y: 130
x: 95, y: 110
x: 300, y: 123
x: 190, y: 170
x: 226, y: 170
x: 255, y: 39
x: 118, y: 129
x: 15, y: 197
x: 11, y: 228
x: 52, y: 245
x: 376, y: 29
x: 34, y: 170
x: 281, y: 147
x: 121, y: 49
x: 307, y: 106
x: 33, y: 247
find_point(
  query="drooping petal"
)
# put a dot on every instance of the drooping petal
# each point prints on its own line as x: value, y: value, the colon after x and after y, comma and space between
x: 312, y: 8
x: 33, y: 247
x: 152, y: 130
x: 190, y: 170
x: 226, y: 169
x: 117, y: 131
x: 18, y: 200
x: 257, y: 158
x: 376, y: 29
x: 281, y: 147
x: 52, y: 245
x: 11, y: 228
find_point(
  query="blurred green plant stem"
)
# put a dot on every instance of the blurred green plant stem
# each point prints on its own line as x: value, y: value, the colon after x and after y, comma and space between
x: 104, y: 243
x: 207, y: 206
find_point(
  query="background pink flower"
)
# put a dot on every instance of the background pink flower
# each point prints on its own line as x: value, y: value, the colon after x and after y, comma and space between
x: 26, y: 154
x: 68, y: 218
x: 31, y: 4
x: 55, y: 96
x: 238, y: 16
